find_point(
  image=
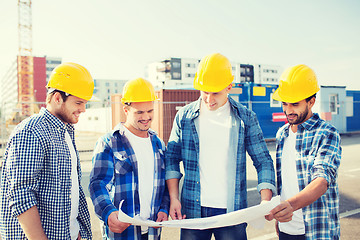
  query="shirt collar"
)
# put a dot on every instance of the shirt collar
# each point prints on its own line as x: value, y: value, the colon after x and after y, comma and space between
x: 310, y: 123
x: 56, y: 122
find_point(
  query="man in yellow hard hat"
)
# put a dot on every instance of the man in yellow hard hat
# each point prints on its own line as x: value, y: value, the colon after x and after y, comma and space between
x: 211, y: 137
x: 129, y: 166
x: 41, y: 195
x: 308, y: 154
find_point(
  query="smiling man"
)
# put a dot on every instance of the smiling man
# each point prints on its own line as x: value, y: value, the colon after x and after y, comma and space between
x: 129, y: 165
x: 308, y: 154
x: 41, y: 195
x: 211, y: 136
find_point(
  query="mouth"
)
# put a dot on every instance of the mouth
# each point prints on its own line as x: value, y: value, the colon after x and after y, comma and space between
x: 211, y: 105
x: 145, y: 122
x: 291, y: 117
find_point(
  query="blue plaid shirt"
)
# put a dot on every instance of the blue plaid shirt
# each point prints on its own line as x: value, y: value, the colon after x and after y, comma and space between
x: 318, y: 155
x: 245, y: 136
x: 36, y: 172
x: 115, y: 177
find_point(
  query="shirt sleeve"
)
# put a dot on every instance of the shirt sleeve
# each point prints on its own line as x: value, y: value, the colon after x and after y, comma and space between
x: 24, y: 162
x: 259, y: 153
x: 173, y: 152
x: 101, y: 175
x: 328, y: 156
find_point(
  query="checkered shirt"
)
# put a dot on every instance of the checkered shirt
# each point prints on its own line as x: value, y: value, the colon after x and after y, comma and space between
x: 36, y: 172
x: 318, y: 155
x: 115, y: 177
x: 245, y: 136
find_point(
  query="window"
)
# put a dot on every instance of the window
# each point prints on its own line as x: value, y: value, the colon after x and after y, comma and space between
x: 334, y: 103
x: 176, y: 75
x: 175, y: 64
x: 349, y: 106
x: 190, y: 75
x: 190, y: 65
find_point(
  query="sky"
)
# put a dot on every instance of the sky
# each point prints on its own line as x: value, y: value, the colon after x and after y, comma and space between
x: 116, y: 39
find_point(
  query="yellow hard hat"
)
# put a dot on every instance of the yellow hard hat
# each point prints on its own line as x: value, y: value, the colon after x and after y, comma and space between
x: 213, y: 74
x: 138, y: 90
x: 73, y: 79
x: 296, y: 84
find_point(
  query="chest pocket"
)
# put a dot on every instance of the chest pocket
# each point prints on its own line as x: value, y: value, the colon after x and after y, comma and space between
x: 122, y: 163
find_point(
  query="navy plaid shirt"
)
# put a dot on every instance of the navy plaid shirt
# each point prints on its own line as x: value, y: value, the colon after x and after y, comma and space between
x: 318, y: 155
x: 115, y: 177
x: 37, y: 171
x: 245, y: 136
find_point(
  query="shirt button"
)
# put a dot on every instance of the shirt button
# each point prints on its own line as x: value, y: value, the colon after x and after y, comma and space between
x: 197, y: 182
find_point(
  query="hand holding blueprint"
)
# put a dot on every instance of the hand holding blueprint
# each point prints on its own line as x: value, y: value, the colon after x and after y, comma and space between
x: 250, y: 215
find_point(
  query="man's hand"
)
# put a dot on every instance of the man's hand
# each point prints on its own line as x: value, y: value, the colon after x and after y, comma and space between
x: 161, y: 217
x: 115, y: 225
x: 282, y: 212
x: 175, y: 209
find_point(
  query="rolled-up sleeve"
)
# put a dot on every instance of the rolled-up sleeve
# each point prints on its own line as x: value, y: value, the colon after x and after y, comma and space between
x: 257, y: 149
x: 173, y: 152
x: 327, y: 159
x: 101, y: 175
x: 24, y: 162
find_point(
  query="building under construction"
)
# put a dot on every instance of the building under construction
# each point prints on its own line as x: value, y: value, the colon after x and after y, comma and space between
x: 15, y: 91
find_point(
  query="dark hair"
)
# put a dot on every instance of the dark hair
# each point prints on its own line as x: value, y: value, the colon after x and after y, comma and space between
x: 309, y: 98
x: 63, y: 95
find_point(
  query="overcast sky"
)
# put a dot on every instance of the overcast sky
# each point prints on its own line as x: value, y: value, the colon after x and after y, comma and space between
x: 116, y: 39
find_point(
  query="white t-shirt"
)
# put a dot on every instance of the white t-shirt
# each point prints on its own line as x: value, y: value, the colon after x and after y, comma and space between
x: 74, y: 225
x: 145, y: 159
x: 290, y: 185
x: 214, y: 138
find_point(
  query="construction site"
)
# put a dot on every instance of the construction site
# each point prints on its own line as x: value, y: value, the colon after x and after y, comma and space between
x: 23, y: 94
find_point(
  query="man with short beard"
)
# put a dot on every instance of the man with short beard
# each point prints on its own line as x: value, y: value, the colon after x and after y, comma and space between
x: 41, y: 196
x: 129, y: 165
x: 308, y: 154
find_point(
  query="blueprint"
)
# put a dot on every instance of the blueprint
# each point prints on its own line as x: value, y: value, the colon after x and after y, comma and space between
x: 253, y: 215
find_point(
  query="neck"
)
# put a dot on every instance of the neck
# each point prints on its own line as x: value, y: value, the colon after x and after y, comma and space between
x: 139, y: 133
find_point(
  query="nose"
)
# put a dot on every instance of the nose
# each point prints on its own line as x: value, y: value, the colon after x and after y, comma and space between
x: 210, y: 98
x: 82, y: 107
x: 288, y: 109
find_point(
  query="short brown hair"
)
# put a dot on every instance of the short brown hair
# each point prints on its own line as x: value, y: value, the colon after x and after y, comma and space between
x: 64, y: 95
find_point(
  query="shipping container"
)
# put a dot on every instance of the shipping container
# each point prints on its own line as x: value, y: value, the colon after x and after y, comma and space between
x: 258, y: 98
x: 170, y: 101
x: 352, y: 110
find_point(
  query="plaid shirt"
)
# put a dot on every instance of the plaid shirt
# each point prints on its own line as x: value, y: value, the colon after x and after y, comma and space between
x: 36, y: 172
x: 318, y: 155
x: 115, y: 177
x: 245, y: 136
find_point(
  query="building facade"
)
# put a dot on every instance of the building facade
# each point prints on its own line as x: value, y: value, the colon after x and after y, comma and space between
x: 180, y: 72
x: 103, y: 90
x: 9, y: 91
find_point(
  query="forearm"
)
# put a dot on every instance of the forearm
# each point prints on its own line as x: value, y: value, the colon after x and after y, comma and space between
x: 266, y: 194
x: 309, y: 194
x: 173, y: 187
x: 31, y: 224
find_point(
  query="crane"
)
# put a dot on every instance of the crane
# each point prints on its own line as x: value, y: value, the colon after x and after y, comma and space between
x: 25, y: 64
